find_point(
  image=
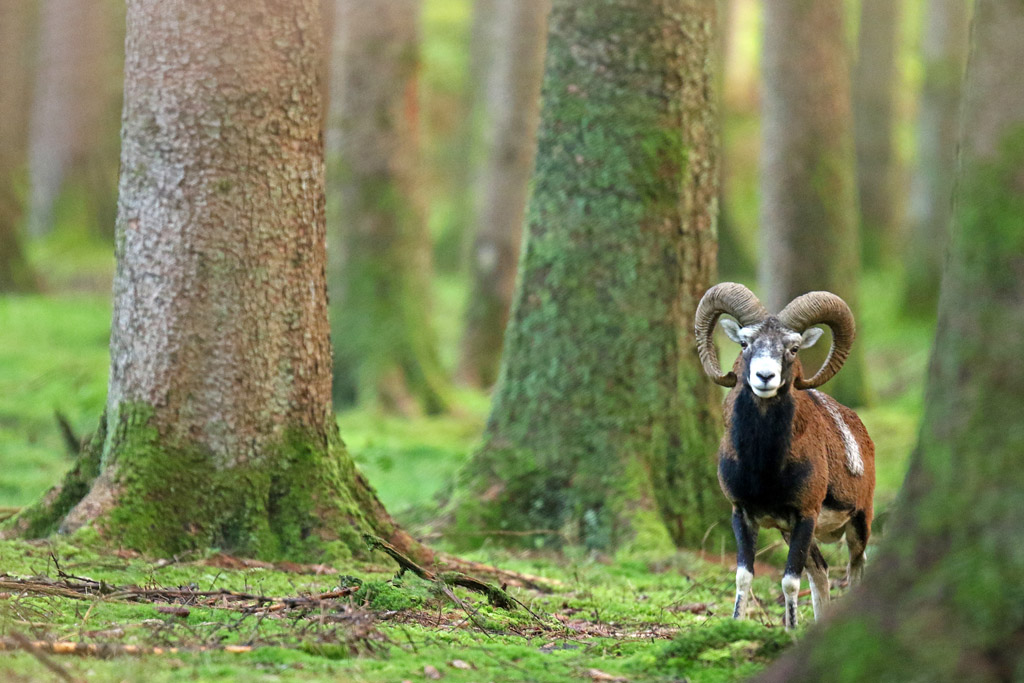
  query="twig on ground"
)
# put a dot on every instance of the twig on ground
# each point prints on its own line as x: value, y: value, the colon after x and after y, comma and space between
x: 495, y: 596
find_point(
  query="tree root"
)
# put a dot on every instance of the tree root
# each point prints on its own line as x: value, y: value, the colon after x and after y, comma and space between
x: 445, y: 580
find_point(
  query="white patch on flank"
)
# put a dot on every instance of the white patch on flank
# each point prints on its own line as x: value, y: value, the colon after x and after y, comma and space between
x: 854, y: 462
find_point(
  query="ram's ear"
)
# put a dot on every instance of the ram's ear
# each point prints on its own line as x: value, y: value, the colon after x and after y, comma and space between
x: 810, y: 337
x: 732, y: 329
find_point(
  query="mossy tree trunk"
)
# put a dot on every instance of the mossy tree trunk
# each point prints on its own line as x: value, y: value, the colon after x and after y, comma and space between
x: 944, y: 599
x: 73, y: 141
x: 218, y: 429
x: 602, y: 417
x: 874, y: 113
x: 15, y: 38
x: 809, y: 231
x: 385, y: 348
x: 512, y: 105
x: 943, y: 54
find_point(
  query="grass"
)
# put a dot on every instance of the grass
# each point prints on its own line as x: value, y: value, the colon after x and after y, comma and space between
x: 655, y: 618
x: 636, y: 618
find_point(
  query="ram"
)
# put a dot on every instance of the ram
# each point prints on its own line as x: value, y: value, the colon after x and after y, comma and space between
x: 791, y: 457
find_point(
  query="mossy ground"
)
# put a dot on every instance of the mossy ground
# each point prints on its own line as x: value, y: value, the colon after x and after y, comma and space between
x: 657, y: 617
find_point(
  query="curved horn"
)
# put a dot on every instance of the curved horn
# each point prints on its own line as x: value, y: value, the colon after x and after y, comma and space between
x: 824, y: 308
x: 737, y: 301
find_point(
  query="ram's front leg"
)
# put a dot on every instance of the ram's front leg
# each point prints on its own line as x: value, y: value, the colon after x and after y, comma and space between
x: 799, y: 543
x: 746, y: 538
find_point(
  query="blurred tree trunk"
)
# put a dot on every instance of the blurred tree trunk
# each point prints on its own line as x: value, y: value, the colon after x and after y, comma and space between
x: 73, y: 137
x: 218, y: 429
x: 809, y: 236
x: 944, y: 600
x: 602, y: 417
x: 511, y: 114
x: 384, y: 344
x: 944, y: 51
x: 15, y: 38
x: 451, y: 247
x: 874, y: 113
x: 734, y: 259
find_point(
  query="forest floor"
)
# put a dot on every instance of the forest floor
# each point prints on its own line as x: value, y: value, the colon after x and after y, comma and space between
x: 583, y: 616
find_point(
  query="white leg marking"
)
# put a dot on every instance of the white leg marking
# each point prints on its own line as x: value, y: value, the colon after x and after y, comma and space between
x: 819, y: 591
x: 854, y: 462
x: 791, y: 589
x: 743, y: 580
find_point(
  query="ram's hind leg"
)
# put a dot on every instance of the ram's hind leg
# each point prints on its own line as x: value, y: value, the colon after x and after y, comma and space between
x: 857, y: 532
x: 817, y: 574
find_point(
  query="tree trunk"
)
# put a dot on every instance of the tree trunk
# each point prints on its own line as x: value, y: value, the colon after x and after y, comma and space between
x: 874, y: 103
x: 512, y: 106
x: 73, y: 143
x: 218, y: 429
x: 809, y: 238
x: 602, y: 416
x: 451, y: 247
x: 944, y: 51
x: 385, y: 349
x: 943, y: 601
x: 15, y: 37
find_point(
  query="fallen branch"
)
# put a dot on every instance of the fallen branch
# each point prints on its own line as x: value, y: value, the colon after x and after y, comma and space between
x: 495, y: 596
x: 538, y: 583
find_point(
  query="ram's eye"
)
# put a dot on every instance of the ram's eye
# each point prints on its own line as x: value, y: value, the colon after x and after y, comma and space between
x: 794, y: 350
x: 743, y: 344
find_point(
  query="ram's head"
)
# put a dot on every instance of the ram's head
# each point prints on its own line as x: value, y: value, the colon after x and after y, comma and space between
x: 770, y: 343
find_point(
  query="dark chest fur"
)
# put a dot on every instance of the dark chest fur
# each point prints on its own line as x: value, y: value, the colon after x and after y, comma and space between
x: 758, y: 479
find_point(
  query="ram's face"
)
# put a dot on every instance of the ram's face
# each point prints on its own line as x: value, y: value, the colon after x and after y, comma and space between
x: 768, y: 351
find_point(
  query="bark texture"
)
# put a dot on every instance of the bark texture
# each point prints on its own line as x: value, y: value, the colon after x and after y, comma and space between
x: 511, y: 118
x: 15, y: 38
x: 73, y: 134
x: 944, y: 600
x: 874, y: 112
x: 808, y: 205
x: 385, y: 349
x: 602, y: 417
x: 218, y: 427
x: 943, y: 55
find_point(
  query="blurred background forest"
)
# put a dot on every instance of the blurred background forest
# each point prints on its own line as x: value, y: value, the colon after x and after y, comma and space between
x: 61, y: 100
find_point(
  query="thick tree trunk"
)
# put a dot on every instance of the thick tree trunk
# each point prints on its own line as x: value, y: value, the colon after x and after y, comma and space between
x: 944, y: 51
x: 602, y: 417
x: 73, y: 134
x: 874, y: 113
x: 218, y: 428
x: 15, y: 37
x: 943, y: 601
x: 385, y: 348
x: 512, y: 107
x: 808, y: 203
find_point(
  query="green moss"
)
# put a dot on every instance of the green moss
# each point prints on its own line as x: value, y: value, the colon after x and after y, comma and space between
x: 721, y: 649
x: 589, y: 416
x: 301, y: 500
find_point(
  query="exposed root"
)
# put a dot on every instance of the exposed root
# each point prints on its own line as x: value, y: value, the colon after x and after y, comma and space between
x: 445, y: 580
